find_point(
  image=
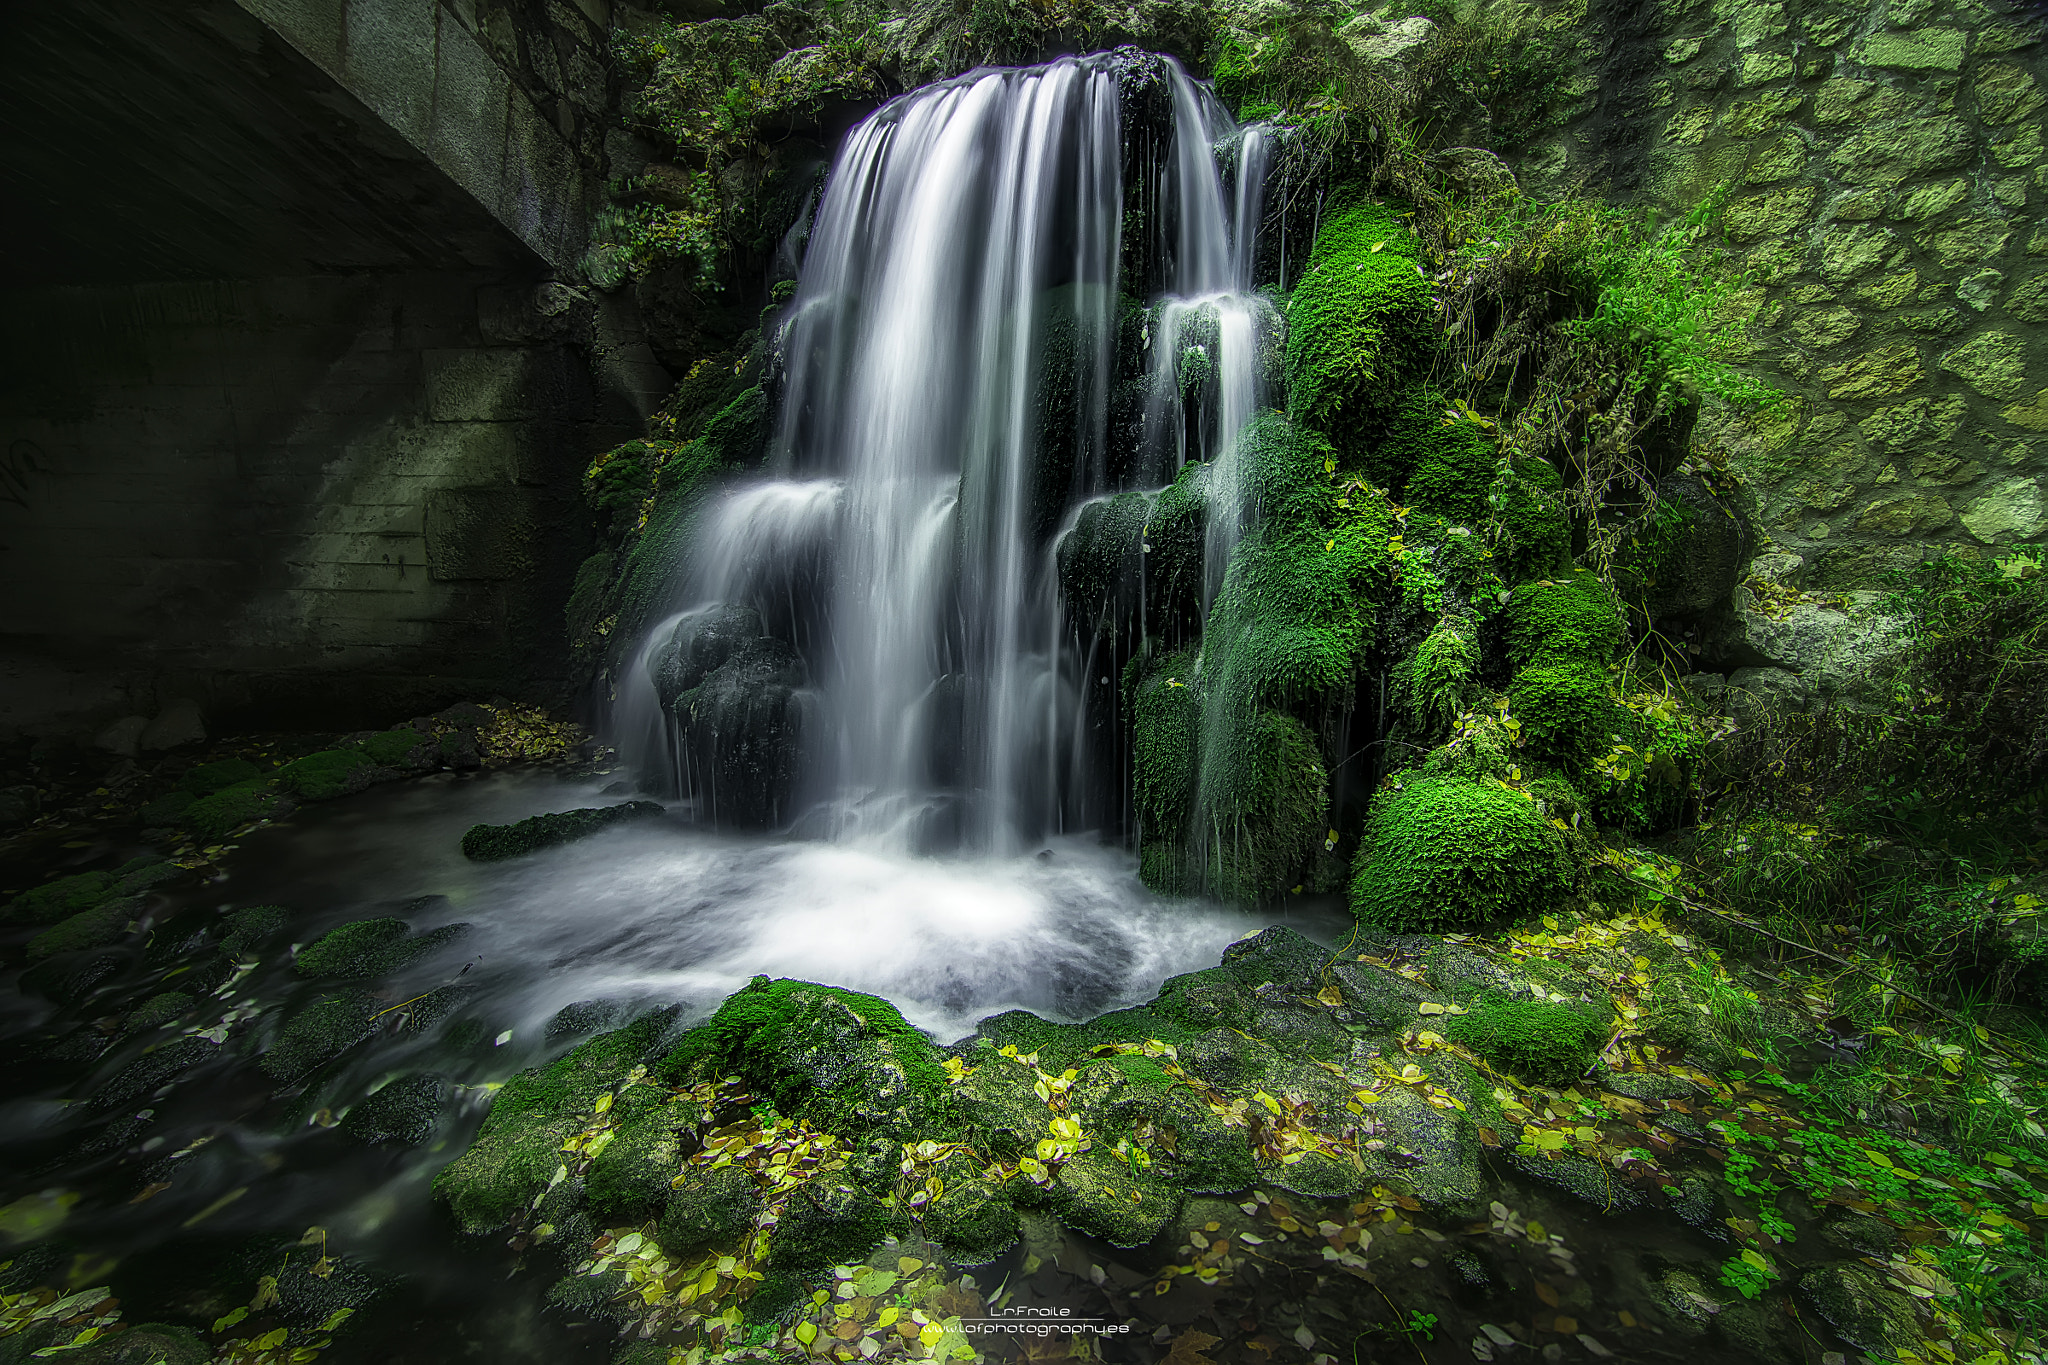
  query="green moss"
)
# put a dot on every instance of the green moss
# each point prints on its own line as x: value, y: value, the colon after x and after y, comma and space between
x: 94, y: 928
x: 404, y: 1113
x: 589, y: 596
x: 1440, y: 675
x: 249, y: 926
x: 1535, y: 535
x: 1566, y: 713
x: 1178, y: 561
x: 619, y: 484
x: 1265, y: 794
x: 208, y: 778
x: 1558, y: 620
x: 227, y: 810
x: 359, y: 948
x: 825, y: 1224
x: 59, y: 899
x: 494, y: 843
x: 326, y: 775
x: 1101, y: 561
x: 1443, y: 459
x: 843, y: 1061
x: 628, y: 1182
x: 393, y: 748
x: 972, y: 1218
x: 319, y: 1033
x: 711, y: 1208
x: 166, y: 809
x: 1358, y: 322
x: 165, y: 1007
x: 1166, y: 731
x: 1444, y: 851
x: 1551, y: 1044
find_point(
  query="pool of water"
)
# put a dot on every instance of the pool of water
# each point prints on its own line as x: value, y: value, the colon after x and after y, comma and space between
x: 657, y: 913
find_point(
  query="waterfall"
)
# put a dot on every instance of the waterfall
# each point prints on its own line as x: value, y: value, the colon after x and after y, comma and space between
x: 951, y: 354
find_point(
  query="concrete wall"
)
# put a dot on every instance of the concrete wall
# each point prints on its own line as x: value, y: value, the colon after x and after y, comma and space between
x: 351, y: 496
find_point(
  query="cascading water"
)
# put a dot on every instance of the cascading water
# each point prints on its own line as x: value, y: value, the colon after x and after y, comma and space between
x: 951, y: 360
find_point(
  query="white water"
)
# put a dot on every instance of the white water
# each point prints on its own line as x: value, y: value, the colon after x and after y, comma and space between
x: 903, y: 545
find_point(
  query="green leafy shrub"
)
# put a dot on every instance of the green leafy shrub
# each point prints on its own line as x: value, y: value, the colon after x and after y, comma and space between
x: 1445, y: 850
x: 1533, y: 1040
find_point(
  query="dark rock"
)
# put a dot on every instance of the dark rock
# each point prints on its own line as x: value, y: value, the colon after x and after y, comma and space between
x: 1698, y: 572
x: 586, y: 1016
x: 149, y: 1343
x: 743, y: 727
x: 94, y: 928
x: 458, y: 750
x: 710, y: 1208
x: 149, y: 1072
x: 69, y: 979
x: 318, y: 1033
x: 1858, y: 1304
x: 404, y: 1113
x: 244, y: 929
x: 493, y: 843
x: 18, y: 806
x: 465, y: 715
x: 700, y: 643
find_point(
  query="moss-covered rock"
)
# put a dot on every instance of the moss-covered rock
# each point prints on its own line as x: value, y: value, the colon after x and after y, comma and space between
x: 404, y: 747
x: 1265, y: 799
x: 1564, y: 620
x: 710, y: 1208
x: 743, y: 728
x: 1166, y: 737
x: 318, y: 1033
x: 493, y: 843
x: 165, y: 1007
x: 515, y: 1153
x: 94, y: 928
x: 1358, y: 322
x: 628, y: 1182
x: 207, y: 778
x: 147, y: 1343
x: 227, y: 810
x: 403, y: 1113
x: 1566, y: 712
x: 1550, y: 1044
x: 60, y: 899
x: 370, y: 947
x: 328, y: 774
x: 827, y: 1223
x: 249, y: 926
x: 1446, y: 850
x: 1534, y: 535
x: 1869, y: 1314
x: 841, y: 1061
x: 1442, y: 460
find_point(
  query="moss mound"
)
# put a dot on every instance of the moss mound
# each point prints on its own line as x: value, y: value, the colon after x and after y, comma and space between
x: 1565, y: 711
x: 60, y: 899
x: 94, y: 928
x: 1264, y: 801
x: 1535, y: 536
x: 1441, y: 458
x: 842, y: 1061
x: 1554, y: 620
x: 401, y: 748
x: 1551, y: 1044
x: 329, y: 774
x: 494, y: 843
x: 358, y: 948
x: 208, y: 778
x: 1359, y: 321
x: 1444, y: 851
x: 251, y: 925
x: 227, y: 810
x: 1166, y: 737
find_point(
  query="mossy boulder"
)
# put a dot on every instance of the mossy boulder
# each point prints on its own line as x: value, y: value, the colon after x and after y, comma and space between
x: 318, y: 1033
x: 516, y: 1151
x: 494, y: 843
x: 328, y: 774
x: 227, y: 810
x: 147, y: 1343
x: 370, y: 947
x: 1265, y: 801
x: 165, y: 1007
x: 249, y: 926
x: 94, y: 928
x: 1439, y: 456
x: 628, y: 1182
x: 841, y: 1061
x: 710, y: 1208
x: 1535, y: 533
x: 744, y: 729
x: 403, y: 748
x: 1443, y: 851
x: 1359, y: 321
x: 1166, y: 738
x: 828, y: 1222
x: 207, y: 778
x: 403, y: 1113
x: 1566, y: 711
x: 59, y: 899
x: 1562, y: 620
x: 1534, y: 1040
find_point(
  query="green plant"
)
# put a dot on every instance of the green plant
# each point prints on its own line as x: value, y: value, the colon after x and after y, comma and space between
x: 1748, y: 1274
x: 1555, y: 621
x: 1358, y: 323
x: 1566, y: 712
x: 1445, y: 850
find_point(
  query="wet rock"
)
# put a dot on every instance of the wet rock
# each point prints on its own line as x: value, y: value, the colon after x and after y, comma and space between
x: 69, y: 978
x: 711, y: 1208
x: 166, y: 1007
x: 372, y: 947
x: 178, y: 724
x: 244, y: 929
x: 123, y: 737
x: 403, y: 1113
x: 1856, y: 1302
x: 1701, y: 567
x: 1859, y: 1233
x: 94, y: 928
x: 18, y: 806
x: 587, y: 1016
x: 493, y: 843
x: 59, y: 899
x: 826, y: 1223
x: 700, y: 643
x: 318, y: 1033
x: 150, y: 1072
x: 458, y: 750
x: 743, y: 728
x: 148, y: 1343
x: 628, y: 1182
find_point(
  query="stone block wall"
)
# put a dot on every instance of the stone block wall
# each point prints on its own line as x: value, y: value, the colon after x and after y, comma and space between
x: 355, y: 496
x: 1884, y: 173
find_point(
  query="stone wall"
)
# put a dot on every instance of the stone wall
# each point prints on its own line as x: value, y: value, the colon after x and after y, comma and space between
x: 351, y: 496
x: 1884, y: 171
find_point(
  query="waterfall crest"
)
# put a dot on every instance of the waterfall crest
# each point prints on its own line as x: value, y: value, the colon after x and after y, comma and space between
x: 952, y: 367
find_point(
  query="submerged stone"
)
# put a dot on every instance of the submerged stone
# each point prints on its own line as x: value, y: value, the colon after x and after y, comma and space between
x: 494, y: 843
